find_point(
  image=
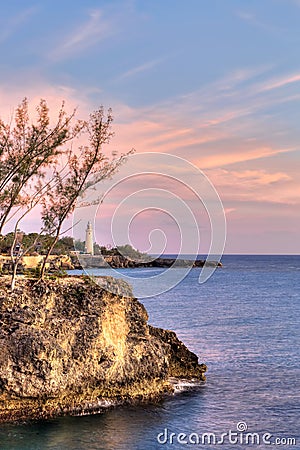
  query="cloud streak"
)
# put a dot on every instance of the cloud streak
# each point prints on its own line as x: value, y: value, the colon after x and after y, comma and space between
x: 95, y: 29
x: 252, y: 19
x: 225, y: 114
x: 13, y: 24
x: 282, y: 82
x: 140, y: 69
x: 226, y: 159
x: 223, y: 135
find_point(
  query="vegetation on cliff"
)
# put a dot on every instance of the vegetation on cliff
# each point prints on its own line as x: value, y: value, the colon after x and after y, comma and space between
x: 38, y: 244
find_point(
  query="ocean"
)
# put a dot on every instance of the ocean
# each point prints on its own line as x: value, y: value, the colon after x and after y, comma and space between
x: 244, y: 324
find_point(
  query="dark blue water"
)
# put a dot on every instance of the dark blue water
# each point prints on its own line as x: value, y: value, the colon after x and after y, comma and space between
x: 244, y: 324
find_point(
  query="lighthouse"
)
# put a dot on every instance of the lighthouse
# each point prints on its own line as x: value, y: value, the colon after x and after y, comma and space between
x: 89, y: 246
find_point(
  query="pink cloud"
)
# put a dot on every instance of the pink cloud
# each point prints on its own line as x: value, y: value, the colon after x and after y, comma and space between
x: 275, y: 84
x: 247, y: 165
x: 10, y: 98
x: 225, y: 159
x: 229, y: 210
x: 257, y: 177
x: 258, y: 186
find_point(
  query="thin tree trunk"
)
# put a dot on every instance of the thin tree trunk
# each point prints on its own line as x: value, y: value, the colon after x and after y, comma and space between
x: 14, y: 260
x: 4, y: 217
x: 43, y: 268
x: 13, y: 276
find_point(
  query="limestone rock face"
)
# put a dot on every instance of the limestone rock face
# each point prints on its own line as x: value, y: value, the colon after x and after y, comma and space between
x: 182, y: 362
x: 68, y: 346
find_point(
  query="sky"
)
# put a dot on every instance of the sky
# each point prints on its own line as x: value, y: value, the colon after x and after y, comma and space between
x: 216, y: 83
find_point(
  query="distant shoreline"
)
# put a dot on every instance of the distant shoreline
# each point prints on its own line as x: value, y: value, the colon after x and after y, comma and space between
x: 120, y: 262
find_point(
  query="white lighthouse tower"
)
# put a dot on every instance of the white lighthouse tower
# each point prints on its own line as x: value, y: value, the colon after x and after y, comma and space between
x: 89, y: 246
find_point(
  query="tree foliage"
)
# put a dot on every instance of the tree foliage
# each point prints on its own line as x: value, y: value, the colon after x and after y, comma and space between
x: 91, y: 161
x: 26, y: 150
x: 30, y: 151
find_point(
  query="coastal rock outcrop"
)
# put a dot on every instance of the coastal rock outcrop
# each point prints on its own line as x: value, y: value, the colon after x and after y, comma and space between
x: 120, y: 261
x: 67, y: 346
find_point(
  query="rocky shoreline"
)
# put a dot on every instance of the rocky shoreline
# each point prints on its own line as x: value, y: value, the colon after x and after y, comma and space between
x: 67, y: 346
x: 121, y: 262
x: 85, y: 261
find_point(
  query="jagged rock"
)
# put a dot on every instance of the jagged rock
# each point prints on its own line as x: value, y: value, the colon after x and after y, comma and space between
x: 182, y: 362
x: 68, y: 345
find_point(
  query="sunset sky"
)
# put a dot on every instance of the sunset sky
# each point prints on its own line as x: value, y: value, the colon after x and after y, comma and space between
x: 214, y: 82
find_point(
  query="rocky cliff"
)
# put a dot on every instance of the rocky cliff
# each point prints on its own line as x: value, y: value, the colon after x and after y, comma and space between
x: 68, y: 346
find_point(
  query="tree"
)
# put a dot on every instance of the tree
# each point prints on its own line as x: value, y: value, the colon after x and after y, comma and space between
x: 17, y: 250
x: 131, y: 253
x: 26, y: 151
x: 79, y: 245
x: 29, y: 152
x: 85, y: 169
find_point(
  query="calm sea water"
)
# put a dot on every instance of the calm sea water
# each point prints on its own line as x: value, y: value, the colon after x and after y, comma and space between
x: 244, y: 324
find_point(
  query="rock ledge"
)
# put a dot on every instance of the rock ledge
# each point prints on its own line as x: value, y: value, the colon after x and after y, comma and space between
x: 67, y: 346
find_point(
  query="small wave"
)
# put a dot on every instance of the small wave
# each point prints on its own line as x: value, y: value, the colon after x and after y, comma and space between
x: 96, y: 407
x: 182, y: 385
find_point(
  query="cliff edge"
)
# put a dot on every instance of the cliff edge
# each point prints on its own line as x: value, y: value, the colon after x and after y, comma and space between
x: 68, y: 346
